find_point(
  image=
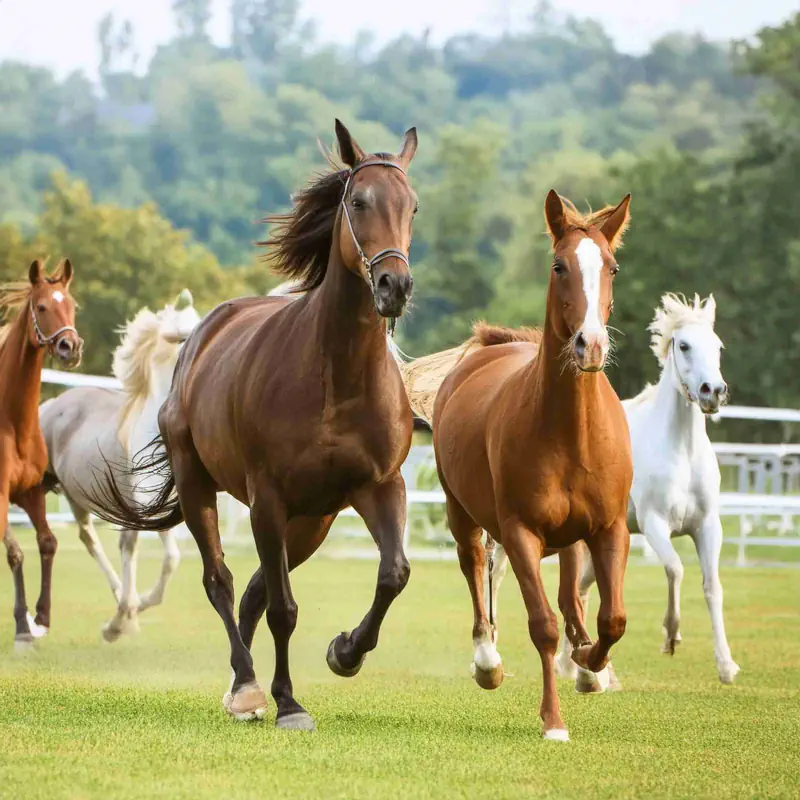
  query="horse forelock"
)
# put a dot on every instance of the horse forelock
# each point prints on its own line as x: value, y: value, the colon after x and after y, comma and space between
x: 674, y: 313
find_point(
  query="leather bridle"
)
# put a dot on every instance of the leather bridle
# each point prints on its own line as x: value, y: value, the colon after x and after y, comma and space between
x: 390, y: 252
x: 47, y: 341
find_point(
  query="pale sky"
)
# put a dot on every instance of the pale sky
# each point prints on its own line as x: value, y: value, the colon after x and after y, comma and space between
x: 61, y: 34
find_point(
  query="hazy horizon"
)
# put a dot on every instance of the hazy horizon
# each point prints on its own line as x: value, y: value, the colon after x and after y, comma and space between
x: 64, y: 36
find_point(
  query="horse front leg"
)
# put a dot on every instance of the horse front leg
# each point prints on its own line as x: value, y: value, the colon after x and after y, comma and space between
x: 609, y: 551
x: 657, y: 532
x: 525, y: 551
x: 572, y: 600
x: 708, y: 541
x: 565, y: 666
x: 33, y: 502
x: 383, y: 508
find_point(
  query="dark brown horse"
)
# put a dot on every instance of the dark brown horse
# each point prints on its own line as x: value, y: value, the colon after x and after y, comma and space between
x: 296, y: 408
x: 45, y: 322
x: 532, y: 446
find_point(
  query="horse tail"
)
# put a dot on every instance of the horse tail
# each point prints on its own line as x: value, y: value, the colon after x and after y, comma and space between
x: 112, y: 503
x: 423, y: 376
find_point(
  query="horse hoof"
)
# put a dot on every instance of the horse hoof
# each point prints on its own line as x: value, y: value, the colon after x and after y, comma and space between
x: 24, y: 643
x: 557, y: 735
x: 248, y: 703
x: 592, y: 682
x: 728, y: 672
x: 333, y: 661
x: 299, y: 721
x: 487, y: 678
x: 37, y: 631
x: 580, y: 655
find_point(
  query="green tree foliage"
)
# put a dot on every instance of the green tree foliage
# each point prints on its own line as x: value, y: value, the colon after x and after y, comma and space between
x: 703, y: 135
x: 124, y: 259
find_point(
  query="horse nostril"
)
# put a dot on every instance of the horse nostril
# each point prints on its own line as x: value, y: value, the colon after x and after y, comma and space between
x: 721, y: 390
x: 384, y: 283
x: 705, y: 389
x: 64, y: 347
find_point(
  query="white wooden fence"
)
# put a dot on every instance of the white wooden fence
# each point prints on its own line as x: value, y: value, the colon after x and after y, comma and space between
x: 767, y: 496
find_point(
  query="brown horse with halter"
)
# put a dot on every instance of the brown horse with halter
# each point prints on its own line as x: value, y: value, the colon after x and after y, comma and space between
x: 297, y: 409
x: 532, y: 446
x: 45, y: 322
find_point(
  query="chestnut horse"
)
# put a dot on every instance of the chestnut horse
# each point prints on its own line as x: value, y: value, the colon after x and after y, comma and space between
x: 297, y: 408
x: 532, y: 446
x: 45, y: 322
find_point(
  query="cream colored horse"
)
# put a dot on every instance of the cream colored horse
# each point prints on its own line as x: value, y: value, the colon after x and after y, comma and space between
x: 90, y: 431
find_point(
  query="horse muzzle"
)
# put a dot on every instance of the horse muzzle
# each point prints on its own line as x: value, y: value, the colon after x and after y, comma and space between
x: 590, y: 350
x: 392, y: 293
x: 68, y: 349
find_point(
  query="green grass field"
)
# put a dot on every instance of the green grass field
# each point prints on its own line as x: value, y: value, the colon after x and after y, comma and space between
x: 142, y: 717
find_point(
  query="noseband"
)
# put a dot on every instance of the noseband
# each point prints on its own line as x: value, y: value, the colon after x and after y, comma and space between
x: 390, y: 252
x: 46, y: 341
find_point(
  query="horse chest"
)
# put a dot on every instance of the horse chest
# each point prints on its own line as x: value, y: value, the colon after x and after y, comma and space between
x: 24, y: 468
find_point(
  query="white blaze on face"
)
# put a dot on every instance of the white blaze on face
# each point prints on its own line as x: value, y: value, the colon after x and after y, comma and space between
x: 58, y: 297
x: 590, y: 261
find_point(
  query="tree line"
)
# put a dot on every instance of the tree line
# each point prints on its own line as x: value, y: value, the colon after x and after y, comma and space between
x: 154, y: 180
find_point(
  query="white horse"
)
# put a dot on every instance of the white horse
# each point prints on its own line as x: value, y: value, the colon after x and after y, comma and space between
x: 676, y: 482
x: 89, y: 431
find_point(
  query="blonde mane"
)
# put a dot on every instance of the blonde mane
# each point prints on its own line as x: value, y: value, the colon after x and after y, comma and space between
x: 140, y: 346
x: 12, y: 297
x: 674, y: 313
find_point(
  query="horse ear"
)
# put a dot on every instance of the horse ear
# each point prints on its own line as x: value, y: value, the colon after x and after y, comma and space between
x: 68, y: 273
x: 348, y: 147
x: 409, y: 147
x: 35, y: 272
x: 185, y: 300
x: 554, y: 216
x: 617, y: 223
x: 710, y: 309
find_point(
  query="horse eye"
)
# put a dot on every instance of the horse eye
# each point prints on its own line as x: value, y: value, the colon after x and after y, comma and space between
x: 614, y: 270
x: 684, y: 347
x: 416, y: 208
x: 358, y: 204
x: 41, y: 307
x: 559, y: 268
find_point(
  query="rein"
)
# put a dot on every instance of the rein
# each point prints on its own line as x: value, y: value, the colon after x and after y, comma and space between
x: 390, y: 252
x: 46, y: 341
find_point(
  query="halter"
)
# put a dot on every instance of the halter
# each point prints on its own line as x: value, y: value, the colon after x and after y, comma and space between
x: 389, y: 252
x: 46, y: 341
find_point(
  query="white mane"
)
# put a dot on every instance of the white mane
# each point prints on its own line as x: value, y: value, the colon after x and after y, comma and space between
x: 674, y: 313
x: 141, y: 345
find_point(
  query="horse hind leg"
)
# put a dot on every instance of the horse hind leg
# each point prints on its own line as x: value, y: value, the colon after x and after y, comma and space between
x: 245, y: 699
x: 94, y: 547
x: 487, y: 666
x: 383, y: 509
x: 172, y: 558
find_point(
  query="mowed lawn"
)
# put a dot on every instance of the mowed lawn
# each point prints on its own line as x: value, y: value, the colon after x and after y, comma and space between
x: 142, y: 718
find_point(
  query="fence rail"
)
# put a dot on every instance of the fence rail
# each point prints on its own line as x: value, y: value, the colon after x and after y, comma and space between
x: 767, y: 478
